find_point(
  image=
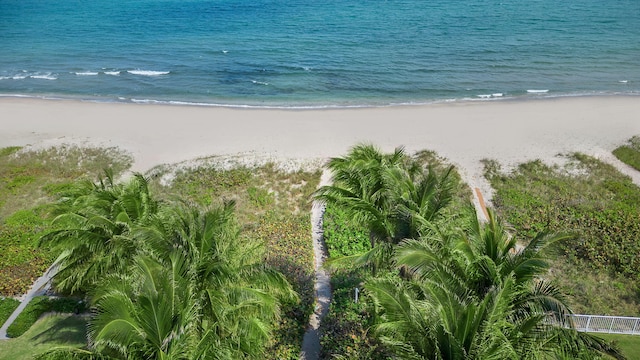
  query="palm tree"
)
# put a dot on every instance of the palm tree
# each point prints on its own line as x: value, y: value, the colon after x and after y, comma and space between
x: 476, y: 297
x: 205, y: 293
x: 94, y: 224
x: 194, y: 291
x: 391, y: 195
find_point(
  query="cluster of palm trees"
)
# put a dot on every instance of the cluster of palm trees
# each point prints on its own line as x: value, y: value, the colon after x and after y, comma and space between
x: 462, y: 289
x: 167, y: 280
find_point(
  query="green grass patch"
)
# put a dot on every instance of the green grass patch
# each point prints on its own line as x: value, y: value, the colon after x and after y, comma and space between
x: 7, y: 307
x: 629, y: 153
x: 271, y: 205
x: 629, y: 344
x: 40, y: 305
x: 49, y: 332
x: 586, y: 197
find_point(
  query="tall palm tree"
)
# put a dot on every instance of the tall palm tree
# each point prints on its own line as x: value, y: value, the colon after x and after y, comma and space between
x: 476, y: 297
x: 94, y: 224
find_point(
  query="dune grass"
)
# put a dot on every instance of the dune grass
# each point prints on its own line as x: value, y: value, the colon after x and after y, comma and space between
x: 629, y: 153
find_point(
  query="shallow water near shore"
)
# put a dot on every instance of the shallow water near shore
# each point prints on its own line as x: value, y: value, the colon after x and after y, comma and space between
x: 317, y: 54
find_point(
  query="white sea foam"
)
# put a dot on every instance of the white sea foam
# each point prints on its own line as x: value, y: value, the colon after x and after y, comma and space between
x: 148, y: 72
x: 533, y: 91
x: 112, y: 73
x: 48, y: 76
x: 623, y: 81
x: 497, y: 95
x: 259, y: 82
x: 225, y: 51
x: 484, y: 96
x: 86, y: 73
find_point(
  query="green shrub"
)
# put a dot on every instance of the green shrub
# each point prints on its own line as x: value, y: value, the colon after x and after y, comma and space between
x: 40, y: 305
x: 342, y: 236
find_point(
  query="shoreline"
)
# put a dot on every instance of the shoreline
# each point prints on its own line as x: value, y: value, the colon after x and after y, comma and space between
x: 509, y: 131
x: 529, y: 95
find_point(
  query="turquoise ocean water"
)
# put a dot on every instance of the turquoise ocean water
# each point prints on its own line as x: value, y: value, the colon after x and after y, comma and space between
x: 297, y: 53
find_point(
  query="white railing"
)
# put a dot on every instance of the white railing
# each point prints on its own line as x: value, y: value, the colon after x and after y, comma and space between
x: 606, y: 324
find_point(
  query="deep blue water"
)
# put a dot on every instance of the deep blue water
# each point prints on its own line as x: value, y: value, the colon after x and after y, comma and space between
x: 317, y: 53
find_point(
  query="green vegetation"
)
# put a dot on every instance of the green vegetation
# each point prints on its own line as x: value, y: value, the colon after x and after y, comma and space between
x: 51, y: 331
x: 7, y: 306
x: 266, y: 199
x: 629, y: 344
x: 167, y: 279
x: 346, y: 330
x: 439, y: 283
x: 28, y: 182
x: 630, y: 153
x: 272, y: 207
x: 472, y: 296
x: 599, y: 268
x: 41, y: 305
x: 213, y: 263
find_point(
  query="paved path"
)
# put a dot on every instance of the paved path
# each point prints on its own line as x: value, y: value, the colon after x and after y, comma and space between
x: 39, y: 287
x: 311, y: 340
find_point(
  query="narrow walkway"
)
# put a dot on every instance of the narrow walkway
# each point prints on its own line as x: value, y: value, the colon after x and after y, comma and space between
x: 39, y: 287
x: 311, y: 340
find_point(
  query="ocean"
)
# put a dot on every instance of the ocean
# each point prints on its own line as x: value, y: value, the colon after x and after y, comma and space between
x: 330, y: 53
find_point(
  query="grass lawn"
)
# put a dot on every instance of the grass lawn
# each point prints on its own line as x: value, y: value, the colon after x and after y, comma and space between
x: 629, y: 344
x: 48, y: 332
x: 7, y: 306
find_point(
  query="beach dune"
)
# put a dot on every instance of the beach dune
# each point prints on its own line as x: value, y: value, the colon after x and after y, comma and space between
x: 510, y: 131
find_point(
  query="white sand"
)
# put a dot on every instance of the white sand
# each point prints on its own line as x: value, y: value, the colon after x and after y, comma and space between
x: 508, y: 131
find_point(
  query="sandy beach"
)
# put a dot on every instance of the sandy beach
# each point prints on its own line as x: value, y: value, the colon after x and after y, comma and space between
x: 510, y: 131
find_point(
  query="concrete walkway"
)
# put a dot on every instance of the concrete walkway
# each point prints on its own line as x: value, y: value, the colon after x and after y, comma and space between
x: 311, y: 340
